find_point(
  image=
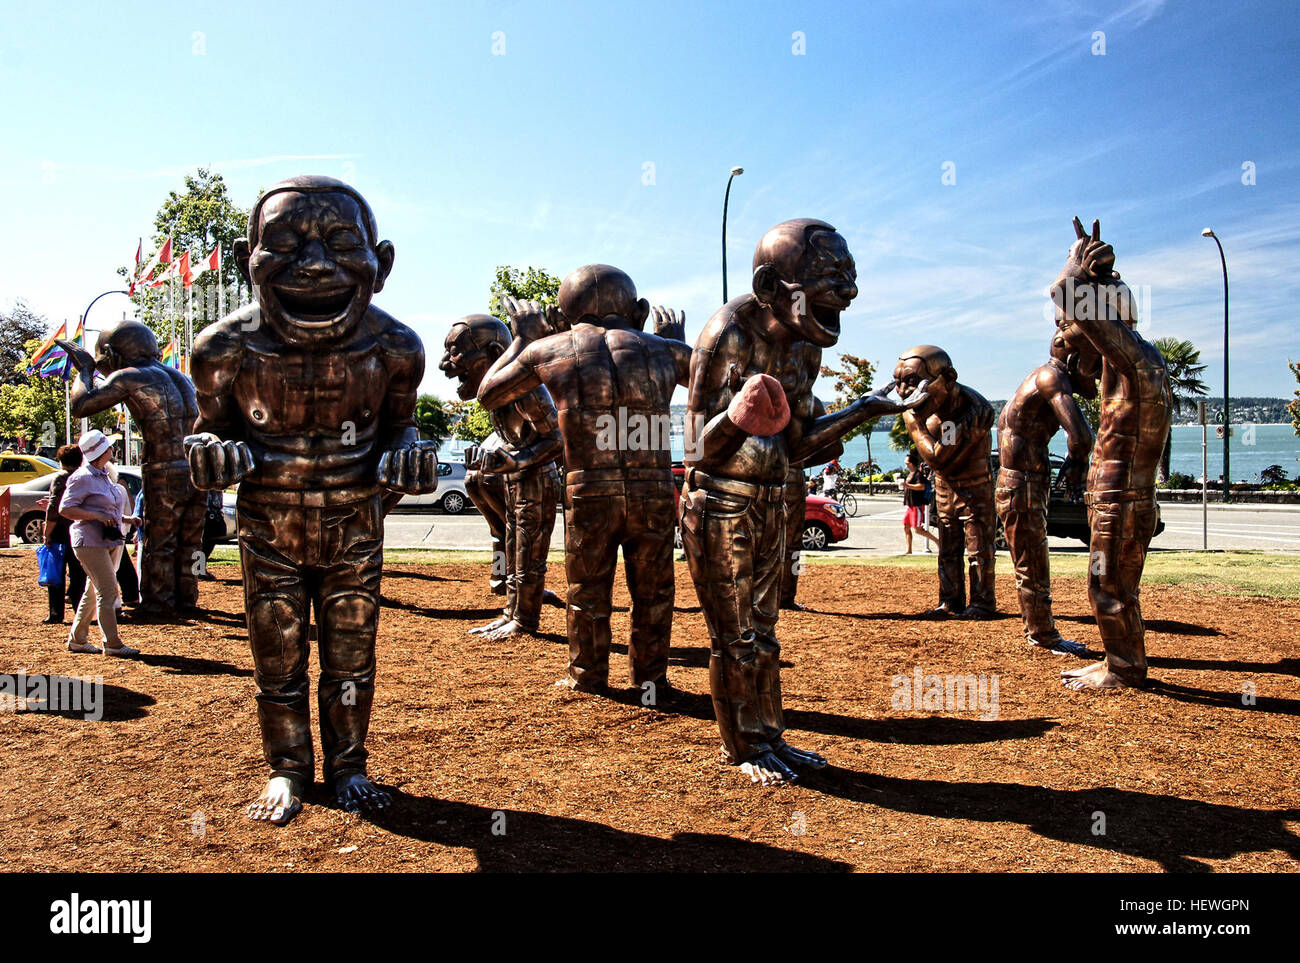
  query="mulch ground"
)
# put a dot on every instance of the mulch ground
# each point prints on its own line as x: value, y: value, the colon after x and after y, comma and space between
x: 495, y: 769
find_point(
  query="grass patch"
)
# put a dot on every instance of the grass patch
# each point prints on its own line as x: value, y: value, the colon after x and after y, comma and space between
x: 1264, y: 574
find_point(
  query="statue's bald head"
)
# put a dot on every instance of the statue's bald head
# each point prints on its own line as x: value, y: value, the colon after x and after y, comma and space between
x: 784, y: 246
x: 126, y: 343
x: 481, y: 330
x: 311, y: 184
x: 601, y: 294
x: 934, y: 360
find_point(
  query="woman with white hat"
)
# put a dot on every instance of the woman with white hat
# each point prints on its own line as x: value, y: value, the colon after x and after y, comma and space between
x: 91, y: 501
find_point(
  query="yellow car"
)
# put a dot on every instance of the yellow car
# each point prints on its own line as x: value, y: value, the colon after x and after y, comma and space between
x: 15, y: 468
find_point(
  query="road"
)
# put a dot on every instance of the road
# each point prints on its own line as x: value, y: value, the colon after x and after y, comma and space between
x: 877, y: 529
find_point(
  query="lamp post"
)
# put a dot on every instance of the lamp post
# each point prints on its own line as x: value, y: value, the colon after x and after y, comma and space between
x: 1227, y: 418
x: 735, y: 171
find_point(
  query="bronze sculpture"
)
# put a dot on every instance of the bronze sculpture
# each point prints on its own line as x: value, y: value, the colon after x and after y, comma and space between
x: 1043, y: 403
x: 750, y: 414
x: 796, y: 503
x: 526, y: 444
x: 307, y: 400
x: 162, y: 403
x: 951, y: 433
x: 487, y: 490
x: 1095, y: 311
x: 612, y: 383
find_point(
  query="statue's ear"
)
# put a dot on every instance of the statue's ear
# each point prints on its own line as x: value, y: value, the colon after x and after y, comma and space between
x: 767, y: 282
x: 240, y: 249
x: 640, y: 313
x: 494, y: 350
x: 384, y: 251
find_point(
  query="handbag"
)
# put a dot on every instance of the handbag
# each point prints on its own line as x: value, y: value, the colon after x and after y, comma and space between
x: 50, y: 560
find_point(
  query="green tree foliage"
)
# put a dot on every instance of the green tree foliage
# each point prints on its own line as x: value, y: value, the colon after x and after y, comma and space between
x: 1293, y: 409
x: 18, y: 327
x: 1182, y: 361
x: 433, y: 419
x: 533, y: 284
x: 852, y: 379
x: 34, y: 407
x: 471, y: 421
x: 196, y: 221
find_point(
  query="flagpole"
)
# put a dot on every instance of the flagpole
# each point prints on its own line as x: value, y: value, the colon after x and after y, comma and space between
x: 67, y: 405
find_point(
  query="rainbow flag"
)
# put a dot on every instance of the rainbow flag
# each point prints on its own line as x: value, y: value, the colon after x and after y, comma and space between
x: 44, y: 352
x: 53, y: 360
x: 172, y: 354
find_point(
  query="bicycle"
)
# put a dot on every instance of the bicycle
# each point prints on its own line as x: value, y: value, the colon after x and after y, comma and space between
x: 845, y: 500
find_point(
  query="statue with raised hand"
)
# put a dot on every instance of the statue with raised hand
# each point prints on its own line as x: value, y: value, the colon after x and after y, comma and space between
x: 307, y: 401
x: 162, y: 404
x: 612, y: 383
x: 1095, y: 313
x: 527, y: 443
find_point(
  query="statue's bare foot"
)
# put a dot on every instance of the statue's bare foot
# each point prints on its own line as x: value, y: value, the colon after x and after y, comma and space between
x: 491, y: 626
x: 977, y: 613
x: 278, y: 804
x: 551, y: 599
x: 569, y: 682
x: 794, y: 607
x: 798, y: 757
x: 357, y: 794
x: 941, y: 612
x: 768, y: 769
x: 1093, y: 677
x: 512, y: 627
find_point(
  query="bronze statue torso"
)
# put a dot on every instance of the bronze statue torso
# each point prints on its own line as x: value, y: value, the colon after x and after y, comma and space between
x: 1028, y: 422
x: 1136, y: 411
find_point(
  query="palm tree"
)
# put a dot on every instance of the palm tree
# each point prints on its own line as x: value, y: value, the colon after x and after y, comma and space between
x: 1182, y: 361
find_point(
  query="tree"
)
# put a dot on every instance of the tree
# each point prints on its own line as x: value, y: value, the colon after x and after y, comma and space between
x: 1293, y: 409
x: 533, y: 284
x: 471, y: 421
x: 34, y: 406
x: 18, y: 327
x: 1182, y: 363
x: 852, y: 381
x: 432, y: 418
x: 1273, y: 475
x: 196, y: 221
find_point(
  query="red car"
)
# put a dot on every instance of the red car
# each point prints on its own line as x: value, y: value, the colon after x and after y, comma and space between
x: 824, y: 520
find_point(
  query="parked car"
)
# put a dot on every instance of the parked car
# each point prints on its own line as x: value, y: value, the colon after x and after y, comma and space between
x: 824, y: 520
x: 29, y: 518
x: 16, y: 469
x: 1066, y: 517
x: 451, y: 495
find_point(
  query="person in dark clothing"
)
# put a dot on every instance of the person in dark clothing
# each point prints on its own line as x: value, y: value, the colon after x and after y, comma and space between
x: 914, y: 502
x: 56, y: 533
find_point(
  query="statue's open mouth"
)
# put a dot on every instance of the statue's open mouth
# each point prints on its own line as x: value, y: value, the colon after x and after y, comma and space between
x: 315, y: 307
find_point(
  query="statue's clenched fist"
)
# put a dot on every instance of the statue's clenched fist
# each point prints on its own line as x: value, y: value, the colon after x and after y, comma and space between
x: 760, y: 407
x: 412, y: 470
x: 493, y: 460
x: 880, y: 404
x: 217, y: 464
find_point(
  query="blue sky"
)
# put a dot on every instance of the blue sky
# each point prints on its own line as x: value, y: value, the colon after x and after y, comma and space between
x: 537, y: 156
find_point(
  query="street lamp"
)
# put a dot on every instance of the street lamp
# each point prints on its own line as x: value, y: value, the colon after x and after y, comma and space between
x: 735, y: 172
x: 1227, y: 420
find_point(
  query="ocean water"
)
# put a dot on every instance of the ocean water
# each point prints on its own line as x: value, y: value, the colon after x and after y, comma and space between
x: 1251, y: 451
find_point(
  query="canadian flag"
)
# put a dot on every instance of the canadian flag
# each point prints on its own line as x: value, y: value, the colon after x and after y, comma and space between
x: 163, y: 256
x: 139, y: 250
x: 210, y: 263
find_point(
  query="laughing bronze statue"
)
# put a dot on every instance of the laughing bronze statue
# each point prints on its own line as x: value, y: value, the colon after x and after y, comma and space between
x: 750, y: 415
x: 1095, y: 312
x: 163, y: 406
x: 951, y: 433
x: 1043, y: 403
x: 796, y: 504
x: 612, y: 383
x: 307, y: 401
x: 522, y: 453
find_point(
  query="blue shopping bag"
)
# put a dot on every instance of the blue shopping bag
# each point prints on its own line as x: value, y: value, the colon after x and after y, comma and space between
x: 50, y: 559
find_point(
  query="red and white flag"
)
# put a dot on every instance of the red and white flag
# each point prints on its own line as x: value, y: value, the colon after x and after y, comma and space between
x: 210, y: 263
x: 163, y: 256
